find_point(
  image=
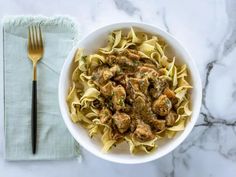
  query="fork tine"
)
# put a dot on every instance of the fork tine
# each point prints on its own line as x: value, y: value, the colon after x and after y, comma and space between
x: 36, y: 38
x: 30, y: 40
x: 40, y: 38
x: 33, y: 37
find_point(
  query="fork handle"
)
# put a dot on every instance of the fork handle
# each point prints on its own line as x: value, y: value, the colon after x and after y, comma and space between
x: 34, y: 116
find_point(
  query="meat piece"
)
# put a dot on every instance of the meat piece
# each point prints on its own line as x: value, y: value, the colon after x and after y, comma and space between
x: 122, y: 121
x: 139, y: 84
x: 151, y: 63
x: 106, y: 74
x: 120, y: 60
x: 162, y: 105
x: 107, y: 89
x: 139, y: 103
x: 131, y: 54
x: 140, y: 106
x: 134, y: 82
x: 149, y: 72
x: 133, y: 123
x: 151, y: 119
x: 123, y: 79
x: 171, y: 118
x: 105, y: 115
x: 120, y: 79
x: 157, y: 87
x: 101, y: 75
x: 143, y: 85
x: 143, y: 132
x: 159, y: 124
x: 118, y: 98
x: 144, y: 110
x: 171, y: 95
x: 136, y: 87
x: 115, y: 69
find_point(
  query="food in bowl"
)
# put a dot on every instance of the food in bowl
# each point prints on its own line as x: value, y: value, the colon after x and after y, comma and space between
x: 130, y: 91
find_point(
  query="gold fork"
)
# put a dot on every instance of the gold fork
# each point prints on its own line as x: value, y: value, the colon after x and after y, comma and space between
x: 35, y: 53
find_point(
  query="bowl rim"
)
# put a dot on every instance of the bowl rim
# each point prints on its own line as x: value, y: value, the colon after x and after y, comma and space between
x: 194, y: 71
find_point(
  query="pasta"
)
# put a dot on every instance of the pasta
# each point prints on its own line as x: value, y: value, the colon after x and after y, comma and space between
x: 130, y: 91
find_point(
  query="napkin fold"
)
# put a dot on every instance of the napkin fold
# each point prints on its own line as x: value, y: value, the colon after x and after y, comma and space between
x: 53, y: 140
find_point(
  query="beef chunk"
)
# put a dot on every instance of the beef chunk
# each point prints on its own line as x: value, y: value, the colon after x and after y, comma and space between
x: 131, y: 54
x: 105, y: 115
x: 107, y: 89
x: 171, y: 95
x: 118, y: 97
x: 171, y: 118
x: 157, y: 87
x: 115, y: 69
x: 102, y: 75
x: 143, y: 132
x: 162, y: 105
x: 139, y: 84
x: 120, y: 60
x: 149, y: 72
x: 146, y: 114
x: 122, y: 121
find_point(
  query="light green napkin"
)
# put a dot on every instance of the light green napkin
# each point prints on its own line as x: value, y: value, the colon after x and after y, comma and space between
x: 54, y: 140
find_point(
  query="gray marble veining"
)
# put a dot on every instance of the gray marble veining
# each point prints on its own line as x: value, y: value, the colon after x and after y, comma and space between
x: 126, y: 6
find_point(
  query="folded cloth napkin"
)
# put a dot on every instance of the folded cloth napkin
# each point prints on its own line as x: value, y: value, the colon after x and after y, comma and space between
x: 53, y: 140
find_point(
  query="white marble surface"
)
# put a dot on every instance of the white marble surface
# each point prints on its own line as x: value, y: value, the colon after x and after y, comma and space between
x: 208, y: 30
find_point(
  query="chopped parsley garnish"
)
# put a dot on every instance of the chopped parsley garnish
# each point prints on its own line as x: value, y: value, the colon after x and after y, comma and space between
x: 113, y: 93
x: 121, y: 102
x: 106, y: 113
x: 136, y: 63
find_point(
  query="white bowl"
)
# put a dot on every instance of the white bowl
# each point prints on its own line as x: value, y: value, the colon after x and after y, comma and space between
x: 121, y: 153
